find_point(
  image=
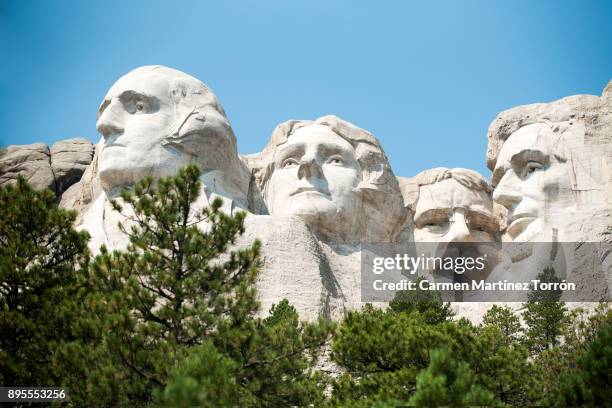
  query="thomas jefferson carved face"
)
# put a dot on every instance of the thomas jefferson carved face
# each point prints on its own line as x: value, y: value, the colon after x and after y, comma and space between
x: 448, y: 211
x: 530, y: 181
x: 315, y: 176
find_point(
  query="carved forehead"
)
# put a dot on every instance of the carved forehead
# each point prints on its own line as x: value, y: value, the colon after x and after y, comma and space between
x: 163, y: 82
x: 589, y: 110
x: 316, y: 134
x: 534, y: 137
x: 449, y: 194
x: 150, y: 83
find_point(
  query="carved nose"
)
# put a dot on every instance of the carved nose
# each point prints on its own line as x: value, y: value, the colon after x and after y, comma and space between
x: 459, y: 230
x: 110, y: 122
x: 309, y: 167
x: 508, y: 191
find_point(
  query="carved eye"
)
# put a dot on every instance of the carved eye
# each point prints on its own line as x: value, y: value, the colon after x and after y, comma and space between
x: 532, y: 167
x: 436, y: 225
x: 140, y: 106
x: 289, y: 163
x: 336, y: 160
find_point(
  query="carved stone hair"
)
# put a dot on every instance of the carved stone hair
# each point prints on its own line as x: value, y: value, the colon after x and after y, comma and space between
x: 376, y: 172
x: 568, y: 117
x: 466, y: 177
x: 378, y: 186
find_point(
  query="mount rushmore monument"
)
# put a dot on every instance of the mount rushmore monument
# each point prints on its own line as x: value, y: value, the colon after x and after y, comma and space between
x: 322, y: 189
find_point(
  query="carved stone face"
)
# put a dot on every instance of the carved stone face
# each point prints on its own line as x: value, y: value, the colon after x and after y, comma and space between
x: 450, y: 212
x: 531, y: 182
x: 136, y: 115
x: 315, y: 175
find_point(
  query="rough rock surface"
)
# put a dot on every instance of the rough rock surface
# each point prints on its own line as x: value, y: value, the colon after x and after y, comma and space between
x: 593, y: 111
x: 30, y: 161
x: 56, y: 169
x: 320, y: 189
x: 69, y: 159
x: 81, y: 194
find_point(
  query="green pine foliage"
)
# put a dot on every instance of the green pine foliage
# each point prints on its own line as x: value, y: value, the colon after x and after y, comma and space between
x: 374, y: 340
x: 503, y: 367
x: 172, y: 321
x: 590, y: 384
x: 426, y: 302
x: 206, y: 378
x: 173, y: 287
x: 382, y: 351
x: 584, y: 325
x: 447, y: 382
x: 41, y: 256
x: 578, y: 335
x: 268, y: 361
x: 545, y: 315
x: 506, y: 320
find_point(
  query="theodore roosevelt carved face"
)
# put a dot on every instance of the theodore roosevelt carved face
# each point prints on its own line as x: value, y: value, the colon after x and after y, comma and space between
x: 453, y: 205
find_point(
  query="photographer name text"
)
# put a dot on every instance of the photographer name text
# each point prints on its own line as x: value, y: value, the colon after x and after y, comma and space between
x: 405, y: 284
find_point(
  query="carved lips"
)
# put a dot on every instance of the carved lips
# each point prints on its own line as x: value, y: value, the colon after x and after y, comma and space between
x: 301, y: 190
x: 519, y: 222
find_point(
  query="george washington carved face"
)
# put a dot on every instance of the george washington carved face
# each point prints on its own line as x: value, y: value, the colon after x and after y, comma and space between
x: 156, y: 120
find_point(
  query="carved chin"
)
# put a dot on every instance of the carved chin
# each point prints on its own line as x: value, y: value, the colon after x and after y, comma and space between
x: 126, y: 174
x: 525, y: 229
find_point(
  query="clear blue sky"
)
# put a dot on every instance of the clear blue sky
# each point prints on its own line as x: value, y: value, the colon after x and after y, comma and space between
x: 425, y: 77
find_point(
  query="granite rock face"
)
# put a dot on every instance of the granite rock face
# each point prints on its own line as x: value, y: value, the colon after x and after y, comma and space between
x: 56, y: 169
x: 322, y: 189
x: 552, y: 174
x: 30, y: 161
x: 569, y: 144
x: 169, y: 120
x: 69, y: 159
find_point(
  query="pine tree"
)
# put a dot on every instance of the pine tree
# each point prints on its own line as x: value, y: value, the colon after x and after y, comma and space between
x: 506, y: 320
x: 206, y: 378
x: 578, y: 336
x: 40, y: 259
x: 544, y: 314
x: 382, y: 351
x: 503, y: 367
x: 267, y: 362
x: 180, y: 296
x: 172, y: 289
x: 584, y: 325
x: 426, y: 302
x: 589, y: 385
x: 446, y: 382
